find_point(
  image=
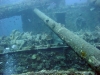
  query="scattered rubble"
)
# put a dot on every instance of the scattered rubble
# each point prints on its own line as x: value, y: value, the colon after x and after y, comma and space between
x: 36, y: 60
x: 26, y: 41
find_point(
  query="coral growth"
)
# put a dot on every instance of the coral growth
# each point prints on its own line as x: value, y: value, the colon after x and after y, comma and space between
x: 26, y: 41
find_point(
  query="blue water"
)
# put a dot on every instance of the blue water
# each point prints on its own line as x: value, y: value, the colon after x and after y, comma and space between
x: 71, y: 2
x: 9, y: 24
x: 5, y: 2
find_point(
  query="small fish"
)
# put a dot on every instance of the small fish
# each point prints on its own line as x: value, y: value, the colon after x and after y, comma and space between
x: 91, y: 9
x: 1, y: 62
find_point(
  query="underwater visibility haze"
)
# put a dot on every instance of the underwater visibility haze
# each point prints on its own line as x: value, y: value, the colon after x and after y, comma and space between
x: 49, y: 37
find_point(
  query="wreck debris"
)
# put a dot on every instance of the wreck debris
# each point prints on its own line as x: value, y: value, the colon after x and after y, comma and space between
x: 18, y: 41
x: 36, y: 60
x: 79, y: 45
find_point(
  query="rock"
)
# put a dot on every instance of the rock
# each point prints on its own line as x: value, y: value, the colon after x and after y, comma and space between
x: 14, y: 47
x: 27, y: 36
x: 6, y: 50
x: 60, y: 57
x: 15, y: 35
x: 34, y: 56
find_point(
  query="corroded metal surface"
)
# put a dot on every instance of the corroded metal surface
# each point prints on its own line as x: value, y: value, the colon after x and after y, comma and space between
x: 36, y: 48
x: 84, y: 49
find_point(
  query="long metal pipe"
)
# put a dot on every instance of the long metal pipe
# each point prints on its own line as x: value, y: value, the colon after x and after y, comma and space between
x: 87, y: 51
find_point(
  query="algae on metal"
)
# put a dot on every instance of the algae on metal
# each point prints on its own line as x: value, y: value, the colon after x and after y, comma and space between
x: 80, y: 46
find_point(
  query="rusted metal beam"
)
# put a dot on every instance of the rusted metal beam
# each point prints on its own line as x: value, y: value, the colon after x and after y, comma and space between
x: 15, y: 9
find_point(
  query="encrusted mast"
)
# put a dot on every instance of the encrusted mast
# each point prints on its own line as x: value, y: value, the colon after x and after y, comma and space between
x: 80, y: 46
